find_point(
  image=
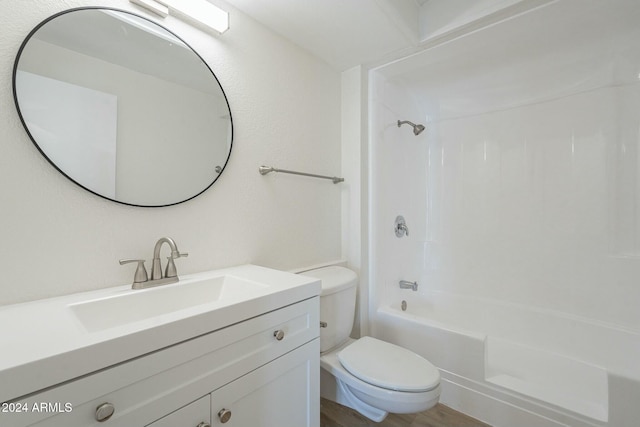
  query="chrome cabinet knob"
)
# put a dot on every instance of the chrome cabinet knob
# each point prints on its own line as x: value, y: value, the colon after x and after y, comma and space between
x: 203, y: 424
x: 224, y: 415
x: 104, y: 412
x: 279, y: 334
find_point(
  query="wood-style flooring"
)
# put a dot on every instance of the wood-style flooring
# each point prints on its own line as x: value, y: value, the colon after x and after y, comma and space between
x: 335, y: 415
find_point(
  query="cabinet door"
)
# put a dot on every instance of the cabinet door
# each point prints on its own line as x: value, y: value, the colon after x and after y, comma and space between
x: 282, y: 393
x: 196, y: 414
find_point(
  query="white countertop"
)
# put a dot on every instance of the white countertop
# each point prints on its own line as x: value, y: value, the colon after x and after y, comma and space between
x: 43, y: 343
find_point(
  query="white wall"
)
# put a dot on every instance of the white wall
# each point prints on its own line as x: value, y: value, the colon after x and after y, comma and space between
x: 353, y: 132
x: 59, y: 239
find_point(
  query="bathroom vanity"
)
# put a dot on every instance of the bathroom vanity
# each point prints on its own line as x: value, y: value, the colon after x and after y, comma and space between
x: 248, y: 355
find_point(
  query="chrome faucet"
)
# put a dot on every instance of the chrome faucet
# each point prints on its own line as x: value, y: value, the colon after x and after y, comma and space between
x: 156, y: 267
x: 405, y: 284
x: 141, y: 279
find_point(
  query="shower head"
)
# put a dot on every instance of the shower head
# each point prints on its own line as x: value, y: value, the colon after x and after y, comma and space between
x: 417, y: 129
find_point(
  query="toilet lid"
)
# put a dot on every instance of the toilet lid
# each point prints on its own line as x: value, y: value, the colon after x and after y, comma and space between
x: 388, y: 366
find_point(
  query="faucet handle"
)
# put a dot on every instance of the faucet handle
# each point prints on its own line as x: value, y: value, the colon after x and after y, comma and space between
x: 141, y: 272
x: 171, y: 271
x: 178, y: 254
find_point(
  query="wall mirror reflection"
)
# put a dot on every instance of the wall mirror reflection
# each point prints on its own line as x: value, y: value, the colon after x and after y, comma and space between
x: 123, y: 107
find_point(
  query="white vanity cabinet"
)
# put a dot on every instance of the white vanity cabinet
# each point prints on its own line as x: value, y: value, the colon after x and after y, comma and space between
x: 281, y: 393
x: 264, y: 371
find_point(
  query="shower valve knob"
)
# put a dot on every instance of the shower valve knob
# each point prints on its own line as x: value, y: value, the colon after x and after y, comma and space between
x: 400, y: 226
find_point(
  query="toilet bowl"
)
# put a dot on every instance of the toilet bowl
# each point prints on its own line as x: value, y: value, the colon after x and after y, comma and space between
x: 366, y: 374
x: 366, y: 395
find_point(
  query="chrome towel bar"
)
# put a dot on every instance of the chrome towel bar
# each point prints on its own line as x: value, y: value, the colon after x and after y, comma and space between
x: 268, y: 169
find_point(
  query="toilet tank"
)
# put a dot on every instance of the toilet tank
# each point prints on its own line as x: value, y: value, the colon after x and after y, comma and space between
x: 337, y: 304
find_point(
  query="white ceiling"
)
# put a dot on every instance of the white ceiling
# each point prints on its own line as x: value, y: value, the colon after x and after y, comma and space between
x: 344, y: 33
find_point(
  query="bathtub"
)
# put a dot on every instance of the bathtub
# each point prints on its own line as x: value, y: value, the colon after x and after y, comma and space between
x: 512, y: 365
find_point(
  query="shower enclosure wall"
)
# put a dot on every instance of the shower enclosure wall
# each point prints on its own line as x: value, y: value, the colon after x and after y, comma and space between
x: 522, y: 200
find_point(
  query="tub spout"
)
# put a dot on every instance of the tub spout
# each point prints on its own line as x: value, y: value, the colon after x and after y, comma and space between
x: 405, y: 284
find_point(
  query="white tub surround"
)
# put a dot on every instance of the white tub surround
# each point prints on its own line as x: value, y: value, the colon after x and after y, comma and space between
x: 50, y: 343
x: 520, y: 197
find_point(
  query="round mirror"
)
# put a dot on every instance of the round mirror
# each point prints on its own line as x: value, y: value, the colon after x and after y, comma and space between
x: 122, y: 107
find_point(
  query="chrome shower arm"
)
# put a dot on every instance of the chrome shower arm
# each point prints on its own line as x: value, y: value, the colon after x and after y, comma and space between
x: 417, y: 129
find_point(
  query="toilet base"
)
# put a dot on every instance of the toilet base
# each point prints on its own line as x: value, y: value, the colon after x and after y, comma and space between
x: 336, y: 391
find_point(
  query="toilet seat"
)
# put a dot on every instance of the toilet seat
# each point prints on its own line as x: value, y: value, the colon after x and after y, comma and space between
x: 388, y: 366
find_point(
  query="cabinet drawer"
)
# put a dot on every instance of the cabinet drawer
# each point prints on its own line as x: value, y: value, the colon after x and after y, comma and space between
x: 191, y: 415
x: 144, y: 389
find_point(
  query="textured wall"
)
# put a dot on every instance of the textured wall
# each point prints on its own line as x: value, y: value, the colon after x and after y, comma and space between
x: 60, y: 239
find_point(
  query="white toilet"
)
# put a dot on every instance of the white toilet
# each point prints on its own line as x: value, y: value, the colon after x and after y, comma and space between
x: 371, y: 376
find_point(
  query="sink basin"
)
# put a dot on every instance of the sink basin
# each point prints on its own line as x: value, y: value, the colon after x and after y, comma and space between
x: 70, y: 336
x: 133, y: 306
